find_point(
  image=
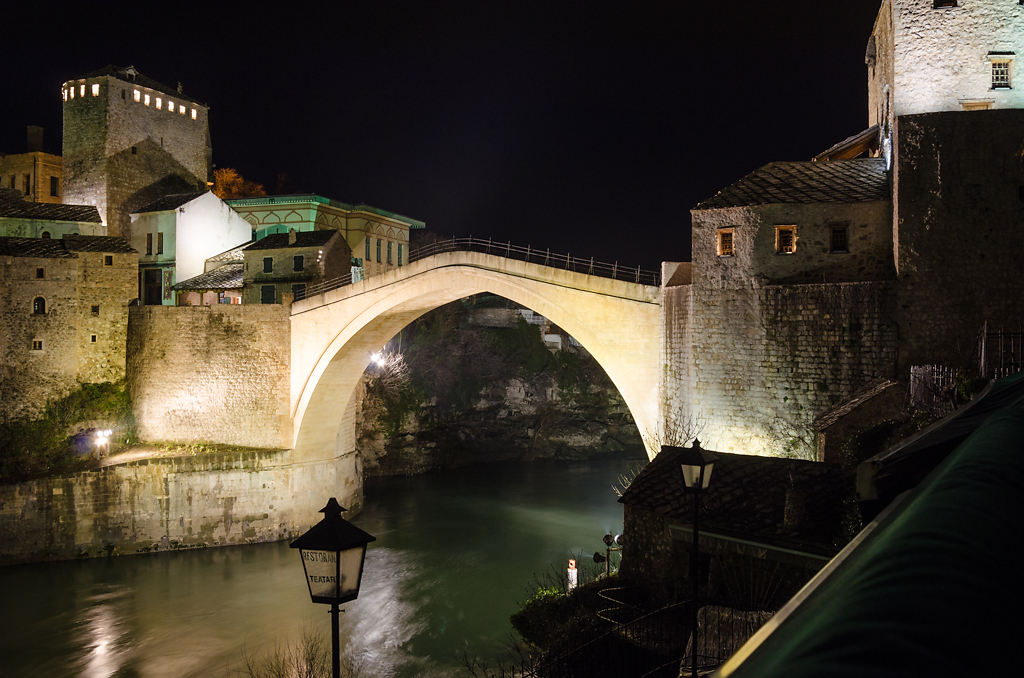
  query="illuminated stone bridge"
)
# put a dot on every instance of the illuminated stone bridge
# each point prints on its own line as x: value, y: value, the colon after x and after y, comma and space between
x: 334, y: 333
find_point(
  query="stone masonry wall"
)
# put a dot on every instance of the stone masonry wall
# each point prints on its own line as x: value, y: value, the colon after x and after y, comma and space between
x: 167, y: 504
x: 211, y: 373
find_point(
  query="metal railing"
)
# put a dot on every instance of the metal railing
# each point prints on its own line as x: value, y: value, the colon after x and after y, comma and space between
x: 526, y: 253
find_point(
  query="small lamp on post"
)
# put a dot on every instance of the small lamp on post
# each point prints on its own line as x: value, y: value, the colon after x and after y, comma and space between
x: 696, y: 465
x: 332, y: 554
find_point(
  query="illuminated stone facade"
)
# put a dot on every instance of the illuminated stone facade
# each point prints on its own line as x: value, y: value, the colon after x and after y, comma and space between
x: 36, y: 175
x: 129, y: 140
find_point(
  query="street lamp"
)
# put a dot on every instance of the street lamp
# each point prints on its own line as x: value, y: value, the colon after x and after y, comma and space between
x: 332, y: 553
x: 696, y: 465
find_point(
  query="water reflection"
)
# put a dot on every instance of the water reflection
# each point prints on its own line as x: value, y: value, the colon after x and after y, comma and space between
x: 454, y: 555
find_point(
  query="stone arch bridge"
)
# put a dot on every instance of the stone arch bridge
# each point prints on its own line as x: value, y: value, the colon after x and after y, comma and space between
x: 334, y: 334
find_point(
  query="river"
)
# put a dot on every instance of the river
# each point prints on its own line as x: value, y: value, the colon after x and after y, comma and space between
x: 456, y: 552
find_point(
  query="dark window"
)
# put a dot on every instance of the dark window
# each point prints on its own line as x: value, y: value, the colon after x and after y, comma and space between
x: 939, y: 4
x: 389, y: 251
x: 124, y: 95
x: 378, y: 250
x: 108, y: 260
x: 37, y: 345
x: 40, y: 273
x: 149, y: 243
x: 45, y: 235
x: 39, y: 306
x: 95, y: 309
x: 367, y: 236
x: 54, y: 187
x: 299, y: 291
x: 399, y: 254
x: 297, y: 262
x: 268, y: 265
x: 93, y: 338
x: 838, y: 241
x: 135, y: 151
x: 267, y: 294
x: 27, y: 182
x: 13, y: 180
x: 159, y: 243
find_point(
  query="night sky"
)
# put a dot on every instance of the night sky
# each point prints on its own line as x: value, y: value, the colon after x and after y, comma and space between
x: 580, y: 126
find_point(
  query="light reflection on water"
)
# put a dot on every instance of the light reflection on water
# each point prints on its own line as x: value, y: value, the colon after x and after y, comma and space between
x: 455, y: 554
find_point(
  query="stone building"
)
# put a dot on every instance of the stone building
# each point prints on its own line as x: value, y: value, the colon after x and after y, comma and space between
x: 130, y: 140
x: 378, y: 239
x: 35, y: 173
x: 176, y: 234
x: 21, y: 218
x: 281, y: 266
x: 65, y: 318
x: 812, y: 280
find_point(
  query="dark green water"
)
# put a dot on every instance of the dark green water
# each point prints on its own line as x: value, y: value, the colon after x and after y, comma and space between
x: 455, y: 553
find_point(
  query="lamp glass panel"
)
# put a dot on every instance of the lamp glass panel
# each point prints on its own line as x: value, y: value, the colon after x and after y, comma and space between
x: 691, y: 474
x: 707, y: 475
x: 321, y: 572
x: 351, y: 566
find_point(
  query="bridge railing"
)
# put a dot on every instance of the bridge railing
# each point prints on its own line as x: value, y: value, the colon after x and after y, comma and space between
x: 526, y: 253
x: 545, y: 257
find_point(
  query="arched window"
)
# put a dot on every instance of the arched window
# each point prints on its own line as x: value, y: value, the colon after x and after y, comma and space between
x: 39, y: 306
x: 45, y: 234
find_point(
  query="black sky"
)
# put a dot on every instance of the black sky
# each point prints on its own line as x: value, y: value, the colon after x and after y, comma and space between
x: 580, y: 126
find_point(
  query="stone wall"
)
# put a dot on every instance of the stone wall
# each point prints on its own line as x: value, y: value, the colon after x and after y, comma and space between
x: 166, y: 504
x: 211, y: 373
x: 960, y: 207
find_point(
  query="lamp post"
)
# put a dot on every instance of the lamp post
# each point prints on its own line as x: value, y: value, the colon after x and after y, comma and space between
x: 332, y: 553
x: 696, y: 465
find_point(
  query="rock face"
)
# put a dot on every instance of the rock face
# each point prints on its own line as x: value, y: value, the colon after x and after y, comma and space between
x: 467, y: 393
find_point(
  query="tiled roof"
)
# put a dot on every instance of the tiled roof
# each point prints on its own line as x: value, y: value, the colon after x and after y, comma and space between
x: 231, y: 255
x: 12, y: 204
x: 97, y: 243
x: 302, y: 239
x: 226, y: 277
x: 747, y: 498
x: 129, y: 74
x: 43, y: 248
x: 170, y: 202
x: 838, y: 181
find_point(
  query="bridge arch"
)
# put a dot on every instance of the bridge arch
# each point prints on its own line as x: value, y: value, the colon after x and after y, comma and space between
x: 334, y: 334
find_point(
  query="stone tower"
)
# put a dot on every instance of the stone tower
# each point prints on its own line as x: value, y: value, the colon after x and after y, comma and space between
x: 129, y: 140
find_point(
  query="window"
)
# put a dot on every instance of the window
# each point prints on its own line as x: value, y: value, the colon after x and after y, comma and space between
x: 45, y: 235
x: 1000, y: 74
x: 725, y: 242
x: 54, y: 187
x: 193, y: 114
x: 399, y: 254
x: 13, y: 180
x: 939, y: 4
x: 297, y: 262
x: 40, y: 273
x: 267, y: 294
x: 39, y: 306
x: 367, y: 257
x: 170, y: 105
x: 135, y: 150
x: 137, y: 95
x: 95, y: 89
x: 93, y: 338
x: 298, y: 291
x: 37, y: 344
x: 95, y: 309
x: 159, y: 243
x: 838, y: 240
x: 108, y: 260
x: 389, y: 251
x: 72, y: 90
x: 81, y: 91
x: 27, y: 183
x: 378, y: 250
x: 145, y: 99
x: 785, y: 239
x: 124, y: 94
x: 181, y: 109
x: 268, y: 265
x: 149, y: 243
x: 158, y: 102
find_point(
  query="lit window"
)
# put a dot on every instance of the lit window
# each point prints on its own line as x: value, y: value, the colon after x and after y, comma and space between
x: 785, y: 239
x: 725, y: 242
x: 137, y: 94
x: 268, y: 294
x: 37, y: 345
x: 40, y: 273
x: 81, y: 90
x: 181, y: 109
x: 298, y: 261
x: 159, y: 102
x: 72, y: 90
x: 145, y: 99
x: 839, y: 240
x: 64, y: 93
x: 1000, y: 74
x: 39, y: 306
x: 268, y: 265
x: 399, y: 254
x: 95, y: 89
x: 170, y: 105
x: 193, y: 114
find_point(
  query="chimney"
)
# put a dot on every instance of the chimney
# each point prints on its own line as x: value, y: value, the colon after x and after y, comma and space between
x: 291, y: 236
x: 34, y: 138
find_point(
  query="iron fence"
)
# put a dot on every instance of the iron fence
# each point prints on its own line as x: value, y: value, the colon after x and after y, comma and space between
x: 999, y: 352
